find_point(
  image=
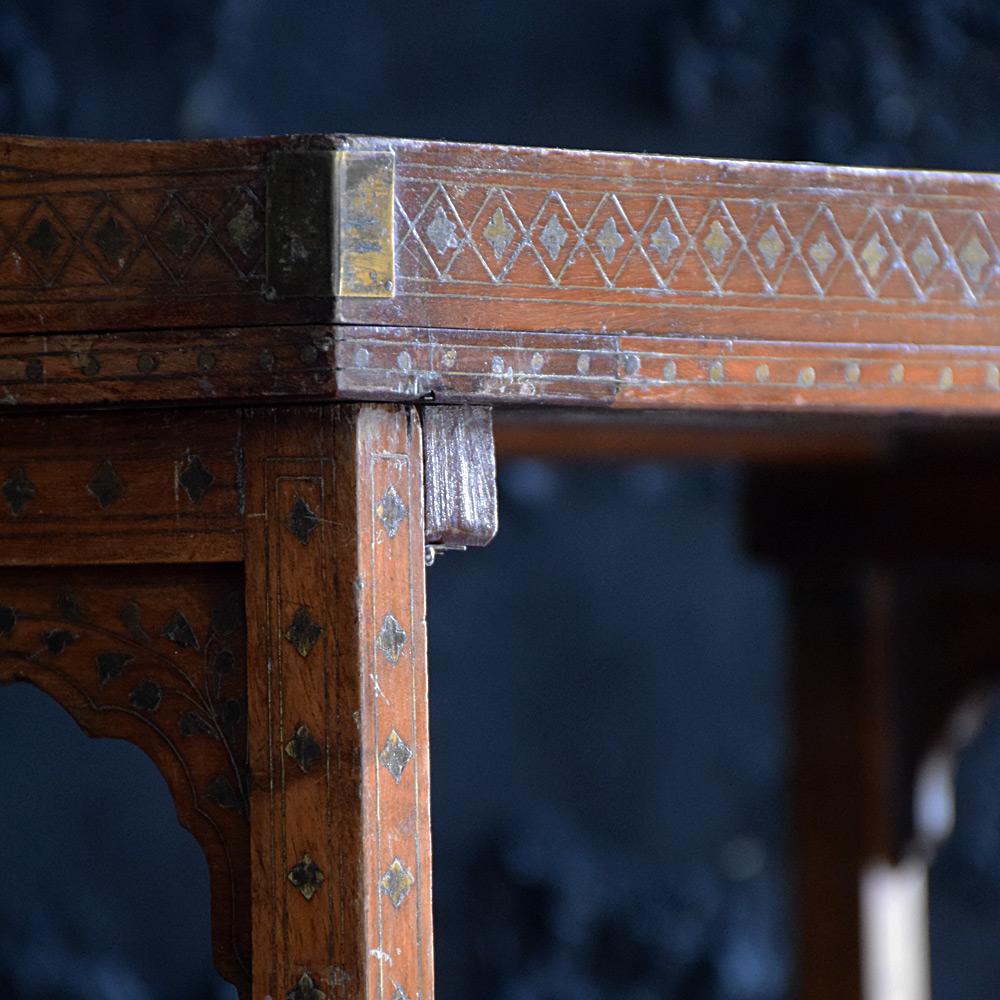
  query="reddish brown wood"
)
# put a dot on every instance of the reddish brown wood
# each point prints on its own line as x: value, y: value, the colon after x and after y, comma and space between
x: 338, y: 723
x: 123, y: 488
x: 714, y: 269
x: 151, y: 368
x: 103, y: 235
x: 157, y: 659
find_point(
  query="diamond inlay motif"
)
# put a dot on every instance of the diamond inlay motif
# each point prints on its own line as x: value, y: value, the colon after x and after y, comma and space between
x: 499, y: 232
x: 112, y: 240
x: 302, y: 521
x: 397, y: 882
x: 395, y: 755
x: 664, y: 240
x: 553, y: 237
x: 391, y: 510
x: 925, y: 258
x: 106, y: 485
x: 717, y: 242
x: 822, y: 253
x: 307, y: 877
x: 196, y: 479
x: 493, y: 222
x: 303, y: 633
x: 974, y: 258
x: 305, y: 989
x: 771, y: 247
x: 874, y: 256
x: 441, y: 231
x: 610, y: 240
x: 44, y: 238
x: 18, y: 490
x: 391, y: 638
x: 399, y: 994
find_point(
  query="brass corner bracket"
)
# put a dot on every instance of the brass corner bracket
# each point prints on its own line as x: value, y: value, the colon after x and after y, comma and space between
x: 330, y: 224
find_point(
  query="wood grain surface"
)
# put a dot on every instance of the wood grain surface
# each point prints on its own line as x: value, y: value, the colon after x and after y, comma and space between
x: 120, y: 488
x: 338, y: 704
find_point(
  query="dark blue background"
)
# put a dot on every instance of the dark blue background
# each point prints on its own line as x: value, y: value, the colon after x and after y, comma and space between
x: 608, y: 678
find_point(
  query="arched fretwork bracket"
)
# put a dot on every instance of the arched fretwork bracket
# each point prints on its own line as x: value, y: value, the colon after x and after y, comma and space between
x: 158, y: 661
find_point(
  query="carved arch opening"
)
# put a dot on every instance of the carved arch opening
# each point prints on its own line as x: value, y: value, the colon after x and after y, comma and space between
x: 155, y: 657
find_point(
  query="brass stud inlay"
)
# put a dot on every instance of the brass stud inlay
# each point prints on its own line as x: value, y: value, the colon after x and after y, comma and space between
x: 303, y: 633
x: 305, y: 989
x: 391, y: 510
x: 307, y: 877
x: 395, y: 755
x: 397, y: 882
x: 304, y: 749
x: 391, y: 638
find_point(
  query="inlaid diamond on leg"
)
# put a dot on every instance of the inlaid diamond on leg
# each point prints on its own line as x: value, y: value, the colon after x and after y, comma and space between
x: 302, y: 521
x: 391, y: 510
x: 303, y: 633
x: 395, y: 755
x: 391, y: 638
x: 307, y: 877
x: 399, y: 994
x: 305, y: 989
x: 397, y: 882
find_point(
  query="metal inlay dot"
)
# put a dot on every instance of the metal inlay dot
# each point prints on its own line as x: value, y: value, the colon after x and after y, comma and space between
x: 305, y: 989
x: 391, y: 510
x: 391, y: 638
x: 302, y: 521
x: 397, y: 882
x: 395, y: 755
x: 303, y: 633
x: 307, y: 877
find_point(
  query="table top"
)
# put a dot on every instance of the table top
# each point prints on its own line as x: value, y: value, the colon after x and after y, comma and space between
x: 350, y: 267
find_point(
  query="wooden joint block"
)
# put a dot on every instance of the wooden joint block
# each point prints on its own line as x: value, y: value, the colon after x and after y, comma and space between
x: 460, y: 476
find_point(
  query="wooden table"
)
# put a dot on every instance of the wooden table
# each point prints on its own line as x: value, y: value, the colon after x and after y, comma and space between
x: 247, y: 391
